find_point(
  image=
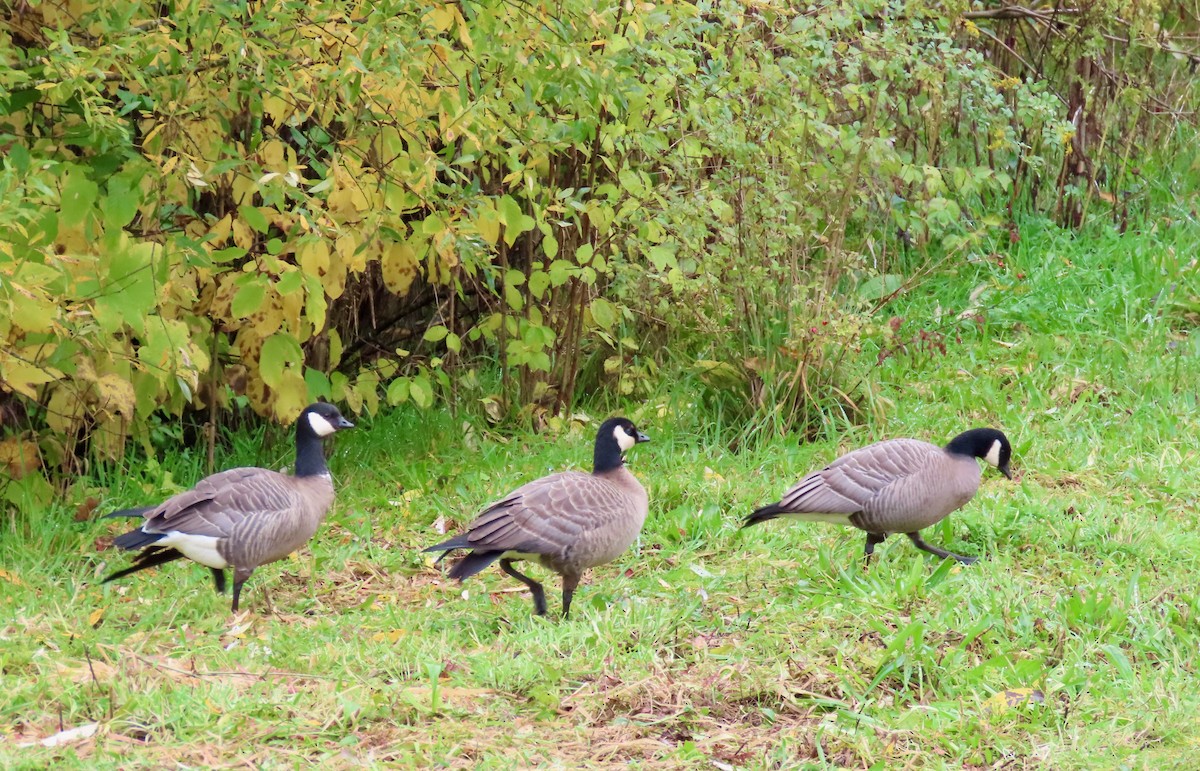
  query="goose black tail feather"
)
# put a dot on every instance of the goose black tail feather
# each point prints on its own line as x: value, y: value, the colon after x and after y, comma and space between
x: 139, y: 511
x: 773, y: 511
x: 136, y: 539
x: 445, y: 547
x: 473, y: 563
x: 155, y: 555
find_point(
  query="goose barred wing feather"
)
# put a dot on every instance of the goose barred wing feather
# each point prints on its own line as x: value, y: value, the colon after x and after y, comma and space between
x: 221, y: 502
x: 862, y: 480
x: 548, y: 516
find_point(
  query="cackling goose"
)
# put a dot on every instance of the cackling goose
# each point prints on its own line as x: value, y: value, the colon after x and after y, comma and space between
x: 568, y: 522
x: 894, y: 486
x: 243, y: 517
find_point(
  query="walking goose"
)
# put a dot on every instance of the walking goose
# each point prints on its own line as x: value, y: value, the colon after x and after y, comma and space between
x: 568, y: 522
x: 894, y: 486
x: 243, y: 517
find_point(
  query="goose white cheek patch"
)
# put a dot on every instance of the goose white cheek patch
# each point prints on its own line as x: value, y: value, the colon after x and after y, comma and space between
x: 993, y: 456
x: 624, y: 439
x: 320, y: 426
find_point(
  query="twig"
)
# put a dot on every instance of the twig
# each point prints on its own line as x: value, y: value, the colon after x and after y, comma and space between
x: 259, y: 675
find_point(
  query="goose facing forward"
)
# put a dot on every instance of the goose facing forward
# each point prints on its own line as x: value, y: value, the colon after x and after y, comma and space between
x: 567, y: 522
x: 895, y: 486
x: 243, y: 517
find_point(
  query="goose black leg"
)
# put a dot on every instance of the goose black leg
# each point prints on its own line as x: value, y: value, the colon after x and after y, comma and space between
x: 218, y: 580
x: 920, y: 544
x: 239, y: 578
x: 569, y: 584
x: 873, y: 540
x: 539, y: 595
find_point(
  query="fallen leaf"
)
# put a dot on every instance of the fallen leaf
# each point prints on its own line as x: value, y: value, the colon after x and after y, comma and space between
x: 11, y: 577
x: 1012, y: 698
x: 69, y: 735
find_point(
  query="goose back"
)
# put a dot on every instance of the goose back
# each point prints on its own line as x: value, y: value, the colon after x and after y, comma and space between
x: 255, y: 515
x: 568, y: 521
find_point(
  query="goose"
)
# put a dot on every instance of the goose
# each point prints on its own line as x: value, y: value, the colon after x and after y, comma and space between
x: 243, y: 517
x: 568, y: 522
x: 894, y: 486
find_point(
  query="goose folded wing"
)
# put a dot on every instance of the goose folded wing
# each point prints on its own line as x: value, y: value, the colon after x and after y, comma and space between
x: 547, y: 515
x: 858, y: 479
x: 220, y: 502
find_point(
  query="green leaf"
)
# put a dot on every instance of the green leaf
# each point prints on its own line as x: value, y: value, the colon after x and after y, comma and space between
x: 128, y: 295
x: 453, y: 343
x: 539, y: 280
x: 512, y: 296
x: 280, y: 352
x: 398, y: 389
x: 290, y: 282
x: 120, y: 206
x: 515, y: 221
x: 878, y: 287
x: 229, y: 254
x: 249, y: 297
x: 77, y: 198
x: 662, y: 257
x: 315, y: 307
x: 421, y: 391
x: 560, y: 271
x: 253, y: 217
x: 603, y: 313
x: 436, y: 333
x: 318, y: 384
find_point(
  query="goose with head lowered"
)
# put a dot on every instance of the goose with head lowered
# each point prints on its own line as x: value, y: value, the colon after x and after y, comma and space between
x: 243, y: 517
x: 895, y: 486
x: 568, y: 522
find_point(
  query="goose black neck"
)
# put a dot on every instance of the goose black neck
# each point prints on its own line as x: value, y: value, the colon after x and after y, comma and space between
x: 974, y: 443
x: 310, y: 456
x: 608, y: 453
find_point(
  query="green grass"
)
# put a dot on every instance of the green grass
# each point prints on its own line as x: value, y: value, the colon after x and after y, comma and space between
x: 771, y: 647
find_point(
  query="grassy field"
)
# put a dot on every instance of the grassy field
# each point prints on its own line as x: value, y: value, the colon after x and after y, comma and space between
x: 705, y: 646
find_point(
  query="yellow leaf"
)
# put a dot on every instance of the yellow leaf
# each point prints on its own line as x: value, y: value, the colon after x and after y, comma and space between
x: 95, y: 616
x: 1012, y: 698
x: 65, y: 408
x: 389, y: 637
x: 399, y: 267
x: 33, y: 312
x: 313, y: 258
x: 115, y: 394
x: 220, y: 231
x: 19, y: 457
x: 24, y: 377
x: 269, y: 316
x: 442, y: 17
x: 488, y: 224
x: 273, y: 156
x: 290, y: 397
x: 243, y: 235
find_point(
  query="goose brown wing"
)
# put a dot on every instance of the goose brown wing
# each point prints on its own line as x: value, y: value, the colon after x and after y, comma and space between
x: 548, y: 515
x: 216, y: 505
x: 861, y: 479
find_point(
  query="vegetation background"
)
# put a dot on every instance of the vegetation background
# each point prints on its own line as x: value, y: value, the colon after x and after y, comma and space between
x: 767, y: 233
